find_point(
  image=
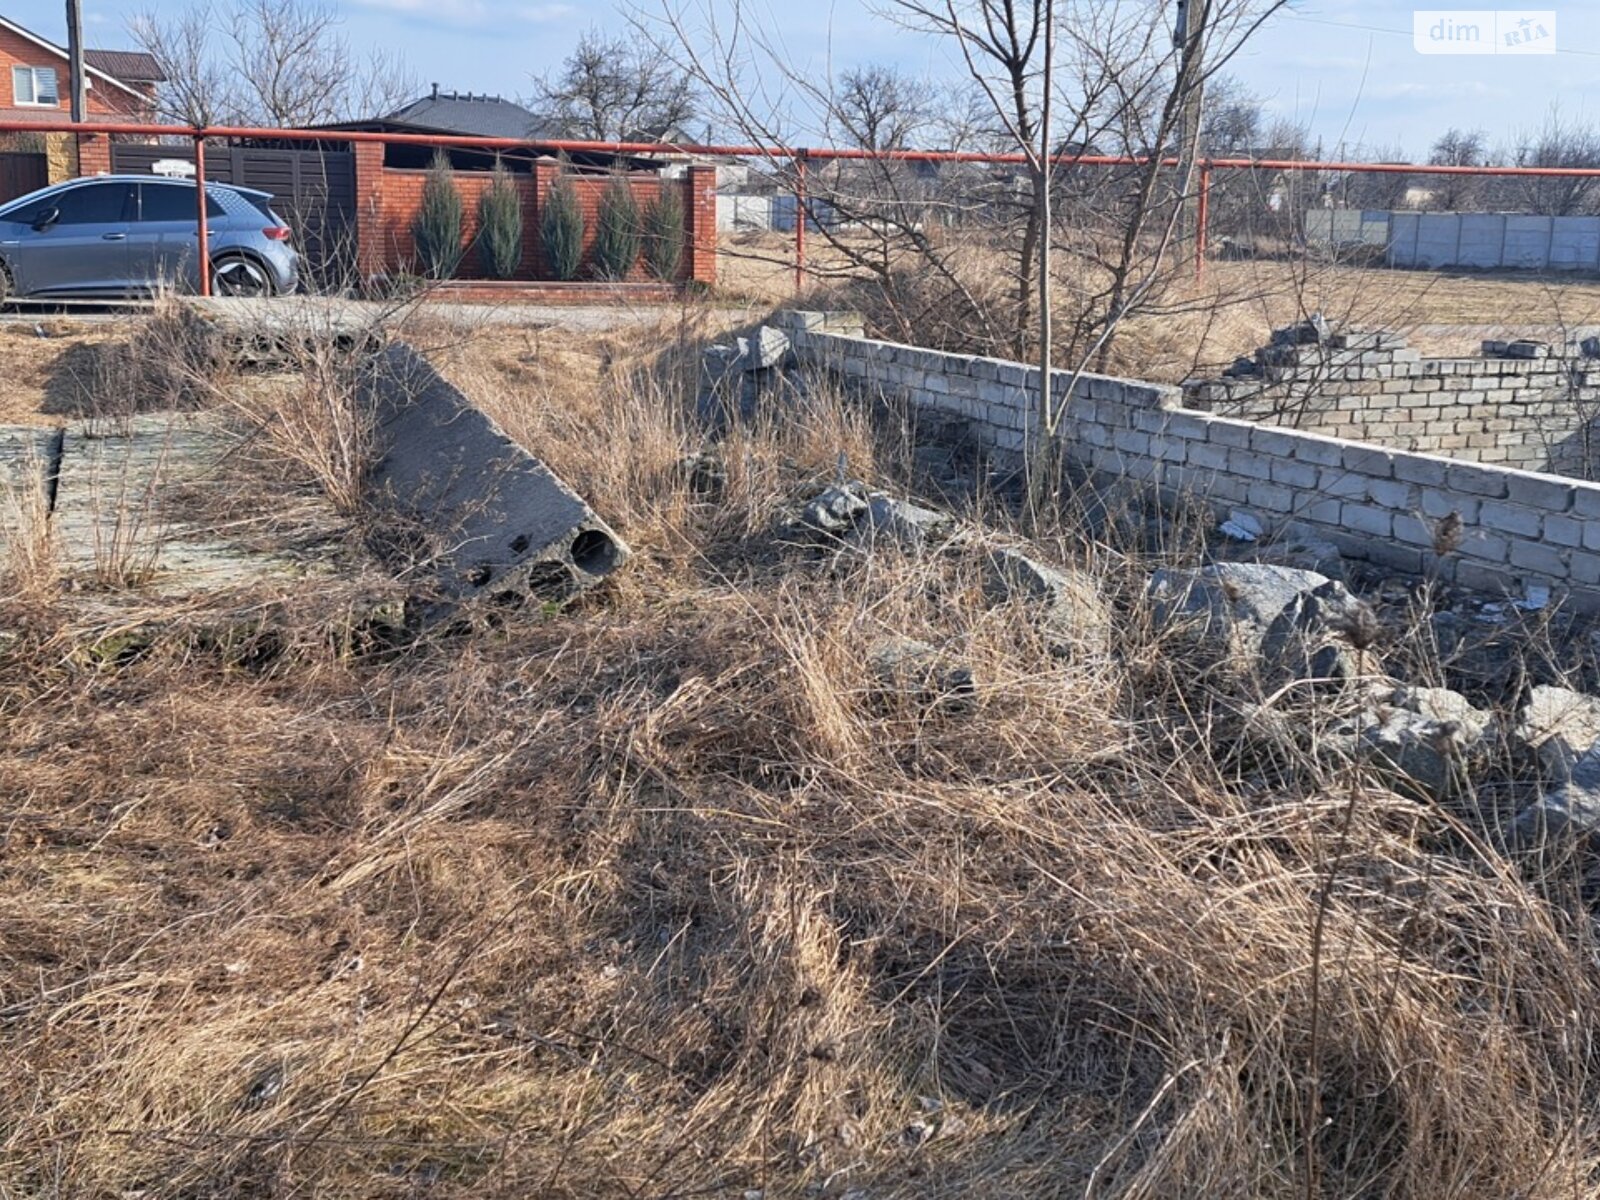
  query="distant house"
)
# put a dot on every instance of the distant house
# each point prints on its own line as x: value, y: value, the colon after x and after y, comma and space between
x: 473, y: 115
x: 37, y: 83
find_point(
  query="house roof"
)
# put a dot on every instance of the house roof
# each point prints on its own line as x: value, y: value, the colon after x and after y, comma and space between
x: 97, y: 72
x: 473, y: 116
x: 130, y: 66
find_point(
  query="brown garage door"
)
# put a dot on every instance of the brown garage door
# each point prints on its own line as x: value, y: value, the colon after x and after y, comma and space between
x: 314, y: 190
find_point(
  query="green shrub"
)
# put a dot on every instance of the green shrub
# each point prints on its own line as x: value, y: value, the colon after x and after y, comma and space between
x: 616, y: 239
x: 437, y: 228
x: 663, y: 233
x: 561, y: 228
x: 500, y: 225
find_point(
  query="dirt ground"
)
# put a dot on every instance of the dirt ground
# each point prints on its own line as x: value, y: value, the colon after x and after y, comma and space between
x: 46, y: 378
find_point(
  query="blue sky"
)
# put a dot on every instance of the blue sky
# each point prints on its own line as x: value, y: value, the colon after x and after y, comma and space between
x: 1345, y: 67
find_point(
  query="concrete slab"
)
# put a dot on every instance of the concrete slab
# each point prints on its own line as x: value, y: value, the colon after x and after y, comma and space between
x: 130, y: 510
x: 27, y: 453
x: 27, y: 470
x: 498, y: 523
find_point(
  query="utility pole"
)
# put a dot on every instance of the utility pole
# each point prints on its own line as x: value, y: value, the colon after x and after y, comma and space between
x: 1188, y: 36
x: 79, y: 83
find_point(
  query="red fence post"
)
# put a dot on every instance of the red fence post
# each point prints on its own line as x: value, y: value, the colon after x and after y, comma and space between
x: 799, y: 220
x: 200, y: 204
x: 1202, y: 219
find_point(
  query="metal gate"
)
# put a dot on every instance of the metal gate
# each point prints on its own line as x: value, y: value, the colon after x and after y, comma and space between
x: 314, y: 190
x: 21, y: 173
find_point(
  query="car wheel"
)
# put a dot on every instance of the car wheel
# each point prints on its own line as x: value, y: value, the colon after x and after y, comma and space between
x: 6, y: 289
x: 239, y: 276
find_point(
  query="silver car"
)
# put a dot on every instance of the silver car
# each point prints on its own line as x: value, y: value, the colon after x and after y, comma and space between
x: 119, y: 235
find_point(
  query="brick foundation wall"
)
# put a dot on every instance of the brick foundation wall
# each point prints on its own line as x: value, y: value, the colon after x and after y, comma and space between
x: 1530, y: 407
x: 1376, y: 503
x: 388, y: 201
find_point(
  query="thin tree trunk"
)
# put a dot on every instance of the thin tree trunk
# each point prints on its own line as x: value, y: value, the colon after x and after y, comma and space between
x: 1046, y: 451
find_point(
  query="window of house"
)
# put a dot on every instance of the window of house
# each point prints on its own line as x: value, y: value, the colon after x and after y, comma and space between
x: 35, y: 86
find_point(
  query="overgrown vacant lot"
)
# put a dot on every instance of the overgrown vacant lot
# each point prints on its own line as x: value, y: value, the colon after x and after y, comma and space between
x: 1187, y: 326
x: 670, y: 891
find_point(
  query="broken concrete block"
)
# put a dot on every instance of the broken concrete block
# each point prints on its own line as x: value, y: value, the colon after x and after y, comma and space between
x: 1561, y: 726
x: 1312, y: 331
x: 497, y: 522
x: 909, y: 525
x: 1074, y: 616
x: 1426, y: 735
x: 1569, y: 813
x: 764, y: 350
x: 1283, y: 623
x: 833, y: 513
x: 1010, y: 575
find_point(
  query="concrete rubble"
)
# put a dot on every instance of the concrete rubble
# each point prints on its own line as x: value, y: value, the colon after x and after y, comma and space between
x: 1282, y: 623
x: 1066, y: 604
x: 1562, y: 728
x: 1428, y: 737
x: 735, y: 375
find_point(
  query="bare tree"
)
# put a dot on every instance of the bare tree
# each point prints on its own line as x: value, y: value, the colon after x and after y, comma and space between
x: 1457, y: 148
x: 1231, y: 124
x: 1379, y: 189
x: 881, y: 108
x: 1558, y: 143
x: 265, y: 62
x: 962, y: 119
x: 617, y: 89
x: 201, y: 88
x: 1119, y: 87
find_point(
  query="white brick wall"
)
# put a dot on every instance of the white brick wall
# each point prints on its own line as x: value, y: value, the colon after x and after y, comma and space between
x: 1373, y: 502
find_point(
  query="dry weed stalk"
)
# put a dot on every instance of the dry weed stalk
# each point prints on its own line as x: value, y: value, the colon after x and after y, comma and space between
x: 29, y: 571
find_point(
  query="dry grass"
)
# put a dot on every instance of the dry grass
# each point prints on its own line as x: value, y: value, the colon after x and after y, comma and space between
x: 29, y: 572
x: 665, y: 894
x: 1203, y: 325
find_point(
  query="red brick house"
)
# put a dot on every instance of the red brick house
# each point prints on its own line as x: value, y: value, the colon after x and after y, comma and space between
x: 35, y: 79
x: 36, y: 85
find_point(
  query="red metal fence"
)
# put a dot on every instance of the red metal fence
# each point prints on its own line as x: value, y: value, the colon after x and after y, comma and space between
x: 798, y: 156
